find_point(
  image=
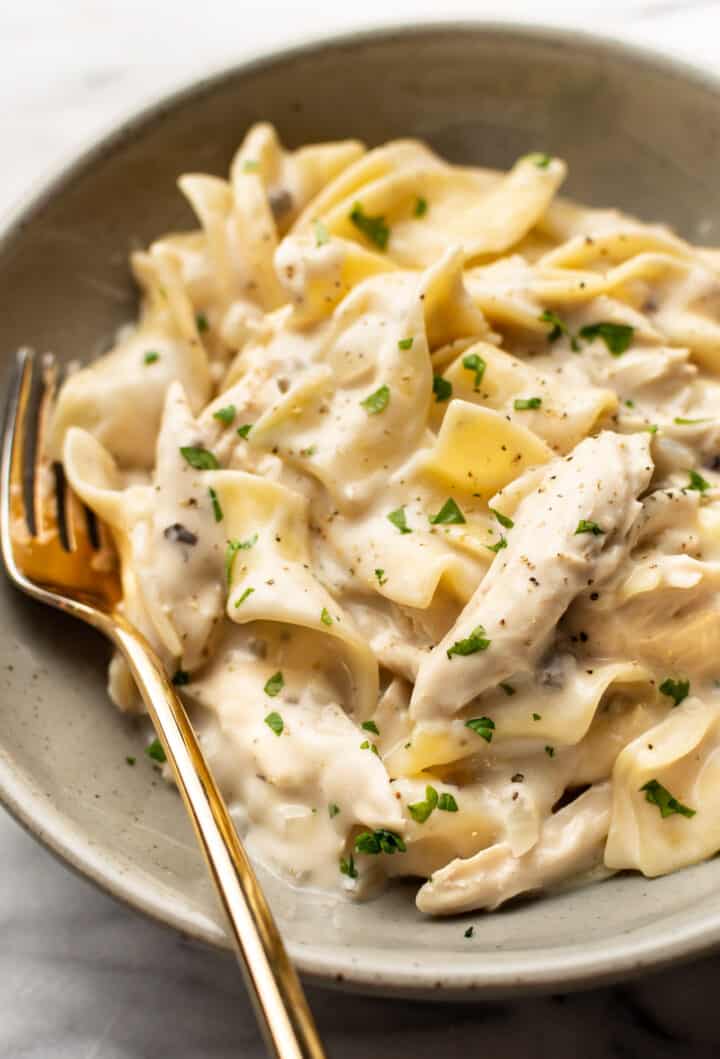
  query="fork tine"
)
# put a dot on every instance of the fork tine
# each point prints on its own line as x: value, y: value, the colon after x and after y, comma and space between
x: 13, y: 507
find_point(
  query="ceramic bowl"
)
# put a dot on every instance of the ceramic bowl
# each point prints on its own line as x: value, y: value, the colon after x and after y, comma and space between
x: 639, y: 133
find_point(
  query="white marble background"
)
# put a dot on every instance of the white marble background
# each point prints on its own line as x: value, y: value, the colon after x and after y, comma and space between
x: 82, y: 977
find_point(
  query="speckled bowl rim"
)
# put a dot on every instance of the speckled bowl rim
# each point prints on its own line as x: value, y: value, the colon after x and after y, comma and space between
x: 457, y: 976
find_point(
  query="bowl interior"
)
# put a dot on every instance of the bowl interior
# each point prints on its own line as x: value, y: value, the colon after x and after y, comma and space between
x: 638, y: 134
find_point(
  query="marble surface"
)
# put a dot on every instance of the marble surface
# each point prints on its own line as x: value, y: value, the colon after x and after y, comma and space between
x: 82, y: 977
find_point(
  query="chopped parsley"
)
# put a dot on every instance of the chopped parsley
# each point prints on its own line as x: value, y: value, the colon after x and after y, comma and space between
x: 156, y: 751
x: 448, y: 515
x: 631, y: 404
x: 421, y: 206
x: 225, y: 415
x: 367, y: 745
x: 322, y: 235
x: 180, y: 678
x: 374, y: 228
x: 217, y: 510
x: 244, y: 430
x: 550, y: 751
x: 151, y: 356
x: 617, y: 337
x: 130, y: 760
x: 522, y: 404
x: 326, y: 616
x: 377, y: 402
x: 309, y: 451
x: 588, y: 526
x: 677, y: 690
x: 333, y: 809
x: 471, y: 644
x: 233, y: 547
x: 275, y: 722
x: 498, y: 546
x: 250, y: 165
x: 274, y: 685
x: 370, y: 726
x: 658, y: 795
x: 558, y: 328
x: 689, y: 422
x: 442, y: 388
x: 380, y: 575
x: 474, y: 362
x: 399, y: 520
x: 504, y: 521
x: 347, y: 867
x: 537, y: 717
x: 469, y: 932
x: 405, y: 343
x: 507, y: 688
x: 420, y: 811
x: 482, y: 726
x: 201, y: 322
x: 446, y: 803
x: 652, y: 428
x: 540, y: 159
x: 379, y: 841
x: 199, y: 458
x: 697, y: 482
x: 244, y: 596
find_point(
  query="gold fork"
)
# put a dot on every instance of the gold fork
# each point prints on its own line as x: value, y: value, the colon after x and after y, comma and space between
x: 53, y: 550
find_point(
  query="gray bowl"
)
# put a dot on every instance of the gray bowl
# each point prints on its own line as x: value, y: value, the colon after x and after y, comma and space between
x: 639, y: 133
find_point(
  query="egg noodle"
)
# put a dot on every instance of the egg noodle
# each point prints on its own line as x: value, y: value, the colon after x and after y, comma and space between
x: 412, y: 472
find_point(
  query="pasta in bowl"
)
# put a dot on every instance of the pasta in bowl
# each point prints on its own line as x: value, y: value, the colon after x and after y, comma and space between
x: 411, y: 470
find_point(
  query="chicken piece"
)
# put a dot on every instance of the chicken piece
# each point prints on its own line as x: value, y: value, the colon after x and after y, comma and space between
x: 569, y: 533
x: 571, y: 841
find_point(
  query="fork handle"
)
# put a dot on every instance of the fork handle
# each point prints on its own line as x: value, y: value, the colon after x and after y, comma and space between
x: 272, y: 981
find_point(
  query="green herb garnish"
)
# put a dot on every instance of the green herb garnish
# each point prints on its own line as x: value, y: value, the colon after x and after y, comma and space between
x: 380, y: 575
x: 442, y: 388
x: 325, y: 616
x: 275, y: 722
x: 130, y: 760
x: 405, y: 343
x: 474, y: 362
x: 697, y: 482
x: 677, y: 690
x: 217, y: 510
x: 225, y: 415
x: 522, y: 404
x: 420, y: 811
x: 199, y: 458
x: 502, y: 519
x: 399, y: 520
x: 370, y: 726
x: 367, y: 745
x: 377, y: 402
x: 150, y: 357
x: 469, y: 932
x: 250, y: 165
x: 446, y: 803
x: 537, y: 717
x: 507, y: 688
x: 333, y: 809
x: 233, y: 547
x: 540, y: 159
x: 156, y: 751
x: 690, y: 422
x: 558, y: 328
x: 347, y: 867
x: 421, y: 206
x: 658, y: 795
x: 448, y: 515
x: 471, y: 644
x: 244, y: 596
x: 244, y: 430
x: 374, y: 228
x: 201, y: 322
x: 274, y: 685
x: 550, y: 751
x: 588, y: 526
x: 617, y: 337
x: 379, y: 841
x: 482, y: 726
x: 498, y: 546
